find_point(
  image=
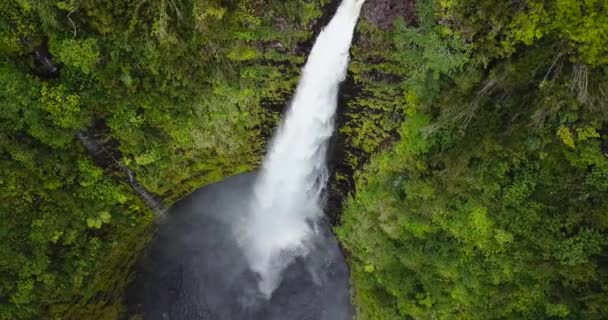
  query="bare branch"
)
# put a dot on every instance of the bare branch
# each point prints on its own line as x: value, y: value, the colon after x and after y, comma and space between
x: 179, y: 14
x: 580, y: 82
x: 551, y: 68
x: 72, y: 21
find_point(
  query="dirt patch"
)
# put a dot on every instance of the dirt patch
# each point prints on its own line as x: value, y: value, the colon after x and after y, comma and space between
x: 384, y: 12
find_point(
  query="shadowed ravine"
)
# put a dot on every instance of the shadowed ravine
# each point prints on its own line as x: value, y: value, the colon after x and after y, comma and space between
x: 287, y: 196
x: 256, y: 246
x: 196, y: 270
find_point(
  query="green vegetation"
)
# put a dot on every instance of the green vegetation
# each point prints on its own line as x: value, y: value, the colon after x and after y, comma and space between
x: 174, y: 89
x: 486, y: 196
x: 493, y: 204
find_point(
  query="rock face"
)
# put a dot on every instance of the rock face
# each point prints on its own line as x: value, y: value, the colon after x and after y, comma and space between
x: 384, y: 12
x: 43, y: 64
x: 195, y: 269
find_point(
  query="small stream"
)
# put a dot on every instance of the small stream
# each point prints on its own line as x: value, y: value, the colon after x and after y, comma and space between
x: 104, y: 158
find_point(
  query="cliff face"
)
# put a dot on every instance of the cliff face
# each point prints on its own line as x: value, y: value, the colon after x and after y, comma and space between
x: 470, y: 130
x: 500, y: 161
x: 178, y: 95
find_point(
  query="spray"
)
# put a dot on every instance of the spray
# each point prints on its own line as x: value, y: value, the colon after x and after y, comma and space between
x: 286, y: 200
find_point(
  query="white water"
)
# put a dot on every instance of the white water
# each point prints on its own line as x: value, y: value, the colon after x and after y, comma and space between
x: 287, y: 195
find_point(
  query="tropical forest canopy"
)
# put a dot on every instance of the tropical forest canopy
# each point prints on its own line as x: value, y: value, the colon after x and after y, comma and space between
x: 476, y: 132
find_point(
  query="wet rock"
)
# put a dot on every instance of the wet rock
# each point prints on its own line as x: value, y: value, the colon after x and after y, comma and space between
x: 42, y: 60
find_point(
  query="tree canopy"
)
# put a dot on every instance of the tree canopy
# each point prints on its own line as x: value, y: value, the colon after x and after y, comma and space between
x: 178, y: 91
x: 486, y: 195
x: 493, y: 204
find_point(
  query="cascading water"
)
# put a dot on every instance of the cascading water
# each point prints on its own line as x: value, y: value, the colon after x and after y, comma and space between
x: 286, y: 200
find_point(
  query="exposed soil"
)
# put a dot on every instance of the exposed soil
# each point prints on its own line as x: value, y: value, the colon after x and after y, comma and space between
x: 384, y: 12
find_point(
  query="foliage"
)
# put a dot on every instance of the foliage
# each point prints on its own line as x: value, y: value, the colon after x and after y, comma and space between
x: 497, y: 28
x: 386, y: 62
x: 492, y: 204
x: 175, y: 90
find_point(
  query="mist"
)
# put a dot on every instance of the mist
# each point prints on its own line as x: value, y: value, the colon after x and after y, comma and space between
x: 195, y: 268
x: 256, y: 246
x: 286, y: 202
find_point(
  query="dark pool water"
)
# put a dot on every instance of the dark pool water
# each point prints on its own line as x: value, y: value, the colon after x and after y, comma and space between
x: 194, y: 268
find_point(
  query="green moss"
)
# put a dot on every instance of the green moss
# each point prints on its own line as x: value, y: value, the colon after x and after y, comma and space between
x: 490, y: 205
x: 104, y: 298
x: 174, y: 90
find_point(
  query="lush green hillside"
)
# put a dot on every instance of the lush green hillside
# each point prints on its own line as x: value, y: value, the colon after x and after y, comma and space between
x: 181, y: 92
x: 493, y: 204
x: 486, y: 197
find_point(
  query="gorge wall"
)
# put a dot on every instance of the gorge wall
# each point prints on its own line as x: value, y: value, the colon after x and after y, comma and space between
x: 179, y: 94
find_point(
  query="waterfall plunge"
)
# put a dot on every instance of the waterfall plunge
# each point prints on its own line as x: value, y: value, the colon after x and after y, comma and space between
x: 287, y: 196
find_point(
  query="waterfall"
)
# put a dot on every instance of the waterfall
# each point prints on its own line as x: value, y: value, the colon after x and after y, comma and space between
x: 286, y: 200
